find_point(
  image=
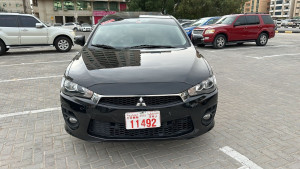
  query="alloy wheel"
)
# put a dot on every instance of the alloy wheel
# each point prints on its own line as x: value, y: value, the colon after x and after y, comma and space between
x: 220, y: 42
x: 263, y: 39
x: 63, y: 44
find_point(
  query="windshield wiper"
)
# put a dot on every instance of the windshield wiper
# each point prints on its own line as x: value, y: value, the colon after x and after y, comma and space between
x: 149, y: 46
x: 103, y: 46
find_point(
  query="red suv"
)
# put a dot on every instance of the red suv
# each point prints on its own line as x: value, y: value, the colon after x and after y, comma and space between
x: 238, y: 28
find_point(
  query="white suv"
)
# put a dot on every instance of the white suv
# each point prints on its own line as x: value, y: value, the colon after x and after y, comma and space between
x: 27, y: 30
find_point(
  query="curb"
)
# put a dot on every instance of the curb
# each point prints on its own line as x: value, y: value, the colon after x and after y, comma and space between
x: 287, y: 31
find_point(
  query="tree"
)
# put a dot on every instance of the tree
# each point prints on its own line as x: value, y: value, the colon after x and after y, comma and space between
x: 195, y: 9
x: 191, y: 9
x: 164, y: 6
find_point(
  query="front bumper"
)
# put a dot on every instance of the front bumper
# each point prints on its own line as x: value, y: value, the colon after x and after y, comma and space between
x: 99, y: 123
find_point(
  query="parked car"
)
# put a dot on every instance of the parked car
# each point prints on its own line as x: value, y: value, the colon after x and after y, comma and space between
x: 72, y: 25
x: 85, y: 27
x: 289, y: 23
x: 136, y: 79
x: 200, y: 22
x: 57, y: 25
x: 26, y: 30
x: 237, y: 28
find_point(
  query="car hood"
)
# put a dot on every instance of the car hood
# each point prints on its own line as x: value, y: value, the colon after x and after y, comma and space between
x: 127, y: 72
x: 212, y: 26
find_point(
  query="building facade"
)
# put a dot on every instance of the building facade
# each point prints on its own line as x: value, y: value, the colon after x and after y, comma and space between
x: 296, y: 12
x: 282, y: 9
x: 81, y: 11
x: 15, y: 6
x: 257, y: 6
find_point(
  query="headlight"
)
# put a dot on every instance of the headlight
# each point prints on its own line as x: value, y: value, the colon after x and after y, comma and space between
x: 203, y: 87
x: 187, y: 31
x: 73, y: 89
x: 209, y: 31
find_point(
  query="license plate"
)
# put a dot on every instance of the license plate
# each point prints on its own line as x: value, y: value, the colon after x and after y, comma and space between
x: 142, y: 120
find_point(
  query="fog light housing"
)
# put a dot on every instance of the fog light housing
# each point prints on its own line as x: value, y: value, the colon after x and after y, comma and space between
x: 207, y: 116
x: 72, y: 120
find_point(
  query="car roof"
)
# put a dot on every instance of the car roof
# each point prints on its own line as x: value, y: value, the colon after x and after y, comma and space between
x: 16, y: 14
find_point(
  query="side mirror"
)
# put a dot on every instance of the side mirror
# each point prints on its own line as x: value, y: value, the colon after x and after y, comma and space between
x: 79, y: 40
x: 39, y: 25
x: 237, y: 23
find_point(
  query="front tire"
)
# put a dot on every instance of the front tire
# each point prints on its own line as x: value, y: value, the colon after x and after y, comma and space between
x: 219, y: 42
x: 2, y: 48
x: 262, y: 39
x: 63, y: 44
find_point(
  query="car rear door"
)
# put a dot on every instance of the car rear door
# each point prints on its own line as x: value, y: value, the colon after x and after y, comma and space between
x: 253, y: 27
x: 30, y: 35
x: 9, y: 29
x: 239, y: 31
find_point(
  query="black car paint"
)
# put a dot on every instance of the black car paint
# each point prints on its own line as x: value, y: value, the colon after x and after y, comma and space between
x: 103, y: 70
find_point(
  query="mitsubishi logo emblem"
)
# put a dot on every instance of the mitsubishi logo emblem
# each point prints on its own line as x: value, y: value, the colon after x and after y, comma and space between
x: 141, y: 102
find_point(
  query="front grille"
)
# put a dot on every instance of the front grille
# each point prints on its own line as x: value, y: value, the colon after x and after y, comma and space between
x: 198, y: 31
x: 149, y: 101
x: 118, y: 130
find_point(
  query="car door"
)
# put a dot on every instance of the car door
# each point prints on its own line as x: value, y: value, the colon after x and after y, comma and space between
x: 238, y: 32
x: 253, y: 27
x: 30, y: 34
x: 9, y: 29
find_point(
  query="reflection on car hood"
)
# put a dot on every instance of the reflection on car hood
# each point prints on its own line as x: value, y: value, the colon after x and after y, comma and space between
x: 107, y: 71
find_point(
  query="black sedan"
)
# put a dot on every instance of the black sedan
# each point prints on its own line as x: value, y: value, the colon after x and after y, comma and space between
x: 135, y: 79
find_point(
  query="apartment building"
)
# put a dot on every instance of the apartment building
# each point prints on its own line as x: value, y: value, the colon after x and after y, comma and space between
x: 82, y: 11
x: 254, y: 6
x: 296, y: 12
x: 282, y: 9
x: 15, y: 6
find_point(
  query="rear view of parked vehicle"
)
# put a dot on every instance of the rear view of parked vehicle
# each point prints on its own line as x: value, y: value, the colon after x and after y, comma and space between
x: 72, y: 25
x: 85, y: 27
x: 238, y: 29
x: 17, y: 30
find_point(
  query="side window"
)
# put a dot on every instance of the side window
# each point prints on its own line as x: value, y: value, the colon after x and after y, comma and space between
x: 28, y: 21
x: 212, y: 21
x: 252, y: 20
x: 8, y: 21
x: 241, y: 20
x: 267, y: 19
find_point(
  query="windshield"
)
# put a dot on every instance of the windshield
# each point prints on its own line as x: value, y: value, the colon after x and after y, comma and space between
x: 200, y: 22
x: 227, y: 20
x: 135, y: 33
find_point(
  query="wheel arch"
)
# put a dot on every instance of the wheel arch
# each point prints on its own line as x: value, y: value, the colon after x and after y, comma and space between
x: 222, y: 33
x: 3, y: 41
x: 58, y: 36
x: 264, y: 31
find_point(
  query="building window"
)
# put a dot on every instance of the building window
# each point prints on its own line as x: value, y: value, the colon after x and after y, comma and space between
x: 113, y: 6
x: 101, y: 6
x: 277, y: 13
x: 278, y: 7
x: 57, y: 5
x: 68, y: 5
x: 82, y: 5
x: 34, y: 2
